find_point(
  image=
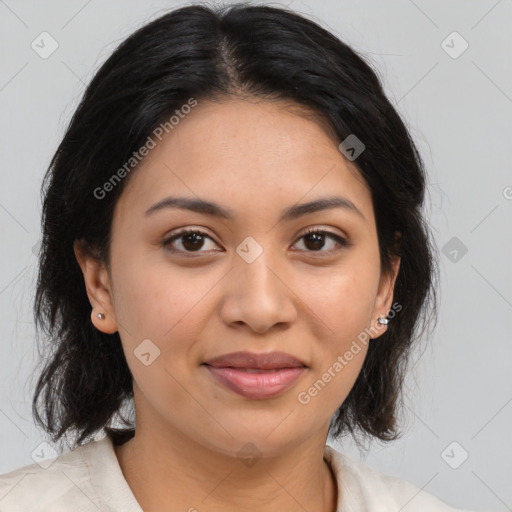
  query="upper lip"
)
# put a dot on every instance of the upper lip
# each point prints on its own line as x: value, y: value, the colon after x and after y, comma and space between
x: 267, y: 361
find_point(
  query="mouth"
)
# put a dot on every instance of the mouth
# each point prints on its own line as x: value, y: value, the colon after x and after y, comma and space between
x: 256, y: 376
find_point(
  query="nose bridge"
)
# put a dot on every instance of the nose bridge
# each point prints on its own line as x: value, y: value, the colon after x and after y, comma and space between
x: 258, y: 297
x: 258, y: 276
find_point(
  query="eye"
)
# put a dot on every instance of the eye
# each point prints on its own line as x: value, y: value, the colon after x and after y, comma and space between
x: 190, y: 240
x: 193, y: 240
x: 314, y: 240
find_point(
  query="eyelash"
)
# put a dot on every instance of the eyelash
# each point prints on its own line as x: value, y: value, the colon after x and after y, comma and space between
x: 341, y: 241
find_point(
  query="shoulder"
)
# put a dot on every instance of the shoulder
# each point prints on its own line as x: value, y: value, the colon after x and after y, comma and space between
x: 362, y: 487
x: 59, y: 484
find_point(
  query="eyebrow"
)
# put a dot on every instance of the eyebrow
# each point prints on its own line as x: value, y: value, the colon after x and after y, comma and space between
x: 210, y: 208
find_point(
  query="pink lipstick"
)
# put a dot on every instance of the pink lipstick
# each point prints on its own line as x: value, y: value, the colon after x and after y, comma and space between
x: 256, y: 376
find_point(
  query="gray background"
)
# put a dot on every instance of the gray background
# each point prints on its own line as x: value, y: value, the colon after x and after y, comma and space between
x: 459, y: 112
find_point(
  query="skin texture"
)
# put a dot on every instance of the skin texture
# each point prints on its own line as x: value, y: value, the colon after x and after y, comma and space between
x: 309, y: 300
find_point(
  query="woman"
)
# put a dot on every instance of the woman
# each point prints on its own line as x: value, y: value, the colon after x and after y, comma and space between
x: 233, y: 238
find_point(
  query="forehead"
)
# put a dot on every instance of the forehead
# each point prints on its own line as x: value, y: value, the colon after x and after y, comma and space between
x: 248, y: 153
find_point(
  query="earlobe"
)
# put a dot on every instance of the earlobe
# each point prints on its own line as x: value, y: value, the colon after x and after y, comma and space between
x: 103, y: 323
x: 97, y: 285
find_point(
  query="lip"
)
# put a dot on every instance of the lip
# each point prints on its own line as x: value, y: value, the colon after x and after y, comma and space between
x: 258, y: 384
x: 256, y: 376
x: 253, y: 360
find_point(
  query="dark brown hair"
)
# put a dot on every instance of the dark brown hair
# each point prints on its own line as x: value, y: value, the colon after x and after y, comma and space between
x: 201, y: 52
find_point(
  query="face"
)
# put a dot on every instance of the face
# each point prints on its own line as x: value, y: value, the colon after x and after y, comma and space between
x: 250, y: 280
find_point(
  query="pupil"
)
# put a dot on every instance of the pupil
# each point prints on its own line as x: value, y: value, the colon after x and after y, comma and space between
x: 317, y: 240
x: 196, y: 239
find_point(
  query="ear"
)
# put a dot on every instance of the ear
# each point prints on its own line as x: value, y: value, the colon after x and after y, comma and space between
x: 97, y: 285
x: 384, y: 299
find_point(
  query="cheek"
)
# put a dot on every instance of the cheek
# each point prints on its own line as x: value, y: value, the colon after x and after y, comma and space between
x: 344, y: 306
x: 156, y: 301
x: 343, y: 297
x: 342, y: 300
x: 168, y: 308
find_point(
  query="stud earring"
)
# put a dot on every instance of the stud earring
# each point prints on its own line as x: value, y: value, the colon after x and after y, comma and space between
x: 101, y: 316
x: 383, y: 320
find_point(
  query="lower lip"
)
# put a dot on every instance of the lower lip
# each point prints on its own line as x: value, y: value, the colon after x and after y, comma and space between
x: 265, y: 384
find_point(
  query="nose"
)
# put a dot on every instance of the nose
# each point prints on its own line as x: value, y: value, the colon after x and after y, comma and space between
x: 258, y: 296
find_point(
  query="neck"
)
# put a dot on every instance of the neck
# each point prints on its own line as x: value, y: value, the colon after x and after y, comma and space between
x: 169, y: 472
